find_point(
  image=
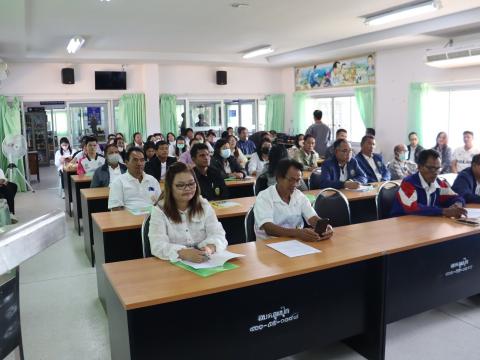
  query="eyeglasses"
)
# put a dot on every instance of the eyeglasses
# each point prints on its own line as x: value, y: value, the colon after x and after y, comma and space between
x: 184, y: 186
x: 346, y: 151
x: 292, y: 180
x: 433, y: 168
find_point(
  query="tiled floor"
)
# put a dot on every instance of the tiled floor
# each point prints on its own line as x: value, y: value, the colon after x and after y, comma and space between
x: 62, y: 318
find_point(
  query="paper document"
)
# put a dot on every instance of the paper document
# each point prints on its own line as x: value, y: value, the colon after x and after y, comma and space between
x: 217, y: 259
x: 473, y: 213
x: 223, y: 204
x: 293, y: 248
x: 362, y: 188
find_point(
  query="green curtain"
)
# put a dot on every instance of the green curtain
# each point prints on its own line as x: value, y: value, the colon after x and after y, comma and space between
x: 275, y: 112
x: 300, y: 122
x: 416, y: 108
x: 10, y: 124
x: 365, y: 97
x: 168, y: 114
x: 132, y: 119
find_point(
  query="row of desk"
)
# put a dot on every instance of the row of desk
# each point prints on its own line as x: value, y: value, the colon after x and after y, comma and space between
x: 367, y: 276
x: 96, y: 200
x: 117, y: 235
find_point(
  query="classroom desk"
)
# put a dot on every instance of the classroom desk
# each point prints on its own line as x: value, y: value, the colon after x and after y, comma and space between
x: 373, y: 275
x: 67, y: 185
x: 78, y: 182
x: 93, y: 201
x: 117, y: 236
x: 269, y: 307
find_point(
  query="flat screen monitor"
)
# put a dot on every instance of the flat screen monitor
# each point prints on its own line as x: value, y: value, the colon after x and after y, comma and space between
x: 110, y: 80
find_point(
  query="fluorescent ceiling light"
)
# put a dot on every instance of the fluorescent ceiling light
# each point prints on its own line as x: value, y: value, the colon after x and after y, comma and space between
x: 403, y: 12
x: 453, y: 63
x: 264, y: 50
x: 75, y: 44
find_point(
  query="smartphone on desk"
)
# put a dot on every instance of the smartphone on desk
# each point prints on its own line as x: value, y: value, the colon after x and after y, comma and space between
x: 321, y: 226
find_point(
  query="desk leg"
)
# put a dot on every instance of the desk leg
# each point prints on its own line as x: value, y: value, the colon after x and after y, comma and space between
x: 77, y: 204
x: 111, y: 247
x: 67, y: 185
x: 89, y: 208
x: 371, y: 343
x: 234, y: 229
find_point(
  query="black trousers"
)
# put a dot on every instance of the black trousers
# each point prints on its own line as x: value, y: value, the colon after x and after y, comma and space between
x: 8, y: 193
x: 61, y: 178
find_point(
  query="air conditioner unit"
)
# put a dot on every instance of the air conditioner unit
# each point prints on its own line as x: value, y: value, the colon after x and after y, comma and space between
x: 454, y: 56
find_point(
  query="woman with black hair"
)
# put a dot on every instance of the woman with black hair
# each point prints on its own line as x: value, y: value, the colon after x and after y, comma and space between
x: 260, y: 157
x: 180, y: 146
x: 225, y: 162
x: 62, y: 157
x: 268, y: 177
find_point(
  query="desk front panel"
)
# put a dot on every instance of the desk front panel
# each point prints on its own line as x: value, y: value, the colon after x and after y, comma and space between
x: 427, y: 277
x: 265, y: 321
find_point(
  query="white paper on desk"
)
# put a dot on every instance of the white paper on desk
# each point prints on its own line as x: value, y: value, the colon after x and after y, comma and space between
x: 473, y: 213
x: 216, y: 259
x: 362, y: 188
x: 293, y: 248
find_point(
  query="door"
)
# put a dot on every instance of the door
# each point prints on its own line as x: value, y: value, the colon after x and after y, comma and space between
x: 241, y: 113
x: 88, y: 119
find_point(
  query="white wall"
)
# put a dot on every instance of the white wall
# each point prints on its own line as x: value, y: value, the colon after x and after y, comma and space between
x: 200, y: 81
x: 43, y: 81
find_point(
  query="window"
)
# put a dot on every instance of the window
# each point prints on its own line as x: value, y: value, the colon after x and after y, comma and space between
x: 180, y: 111
x: 452, y: 111
x: 241, y: 113
x: 262, y: 110
x: 340, y: 112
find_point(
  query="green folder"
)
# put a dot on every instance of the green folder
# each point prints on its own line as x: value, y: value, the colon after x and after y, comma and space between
x: 206, y: 272
x: 232, y: 178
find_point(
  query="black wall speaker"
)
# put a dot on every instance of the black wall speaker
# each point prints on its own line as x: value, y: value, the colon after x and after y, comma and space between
x: 68, y: 76
x: 221, y: 78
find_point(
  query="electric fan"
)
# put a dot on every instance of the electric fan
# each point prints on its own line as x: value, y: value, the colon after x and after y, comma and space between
x: 14, y: 147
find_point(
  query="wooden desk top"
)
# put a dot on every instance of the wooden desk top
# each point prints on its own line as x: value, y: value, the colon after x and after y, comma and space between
x: 244, y: 204
x: 243, y: 182
x: 146, y: 282
x: 95, y: 193
x: 81, y: 178
x: 117, y: 220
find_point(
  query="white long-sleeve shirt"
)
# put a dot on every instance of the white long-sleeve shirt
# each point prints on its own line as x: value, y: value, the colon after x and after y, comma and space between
x: 59, y: 156
x: 256, y: 164
x: 167, y: 237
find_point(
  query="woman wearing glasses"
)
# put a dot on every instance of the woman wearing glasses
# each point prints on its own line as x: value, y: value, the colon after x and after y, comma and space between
x: 183, y: 226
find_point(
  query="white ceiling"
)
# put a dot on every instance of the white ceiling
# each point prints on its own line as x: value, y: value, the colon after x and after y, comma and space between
x: 211, y: 31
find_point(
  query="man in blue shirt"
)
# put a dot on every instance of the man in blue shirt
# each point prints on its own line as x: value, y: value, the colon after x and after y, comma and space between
x: 247, y: 146
x: 342, y: 171
x: 372, y: 164
x: 467, y: 183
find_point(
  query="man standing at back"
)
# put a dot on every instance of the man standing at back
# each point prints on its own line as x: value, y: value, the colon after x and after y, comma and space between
x: 320, y: 132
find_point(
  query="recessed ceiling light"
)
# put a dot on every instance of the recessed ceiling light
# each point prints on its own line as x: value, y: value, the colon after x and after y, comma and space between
x: 239, y: 5
x: 75, y: 44
x: 264, y: 50
x: 402, y: 12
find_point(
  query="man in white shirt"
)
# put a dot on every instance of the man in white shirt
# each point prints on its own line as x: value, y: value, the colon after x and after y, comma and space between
x: 134, y: 190
x: 8, y: 190
x: 91, y: 161
x: 462, y: 156
x: 280, y: 209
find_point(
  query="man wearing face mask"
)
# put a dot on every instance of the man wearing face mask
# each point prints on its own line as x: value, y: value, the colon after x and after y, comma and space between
x: 120, y: 144
x: 400, y: 167
x: 112, y: 169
